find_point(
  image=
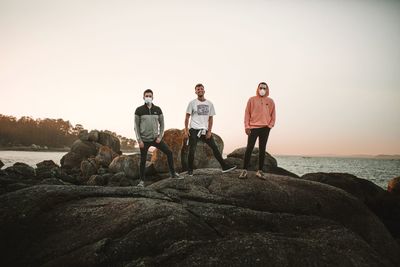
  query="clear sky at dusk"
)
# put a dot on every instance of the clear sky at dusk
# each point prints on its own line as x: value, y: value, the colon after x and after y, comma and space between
x: 333, y: 67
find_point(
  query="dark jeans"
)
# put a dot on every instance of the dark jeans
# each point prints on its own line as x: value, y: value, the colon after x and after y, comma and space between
x: 163, y: 147
x: 210, y: 142
x: 262, y: 134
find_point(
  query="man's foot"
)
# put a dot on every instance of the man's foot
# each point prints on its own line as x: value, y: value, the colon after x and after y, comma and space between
x: 140, y: 184
x: 228, y: 168
x: 176, y: 176
x: 190, y: 173
x: 243, y: 175
x: 260, y: 175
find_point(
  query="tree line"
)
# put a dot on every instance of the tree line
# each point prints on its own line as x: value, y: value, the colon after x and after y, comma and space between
x: 54, y: 133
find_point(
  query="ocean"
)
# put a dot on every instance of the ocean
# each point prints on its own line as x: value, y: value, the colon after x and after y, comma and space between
x: 379, y: 171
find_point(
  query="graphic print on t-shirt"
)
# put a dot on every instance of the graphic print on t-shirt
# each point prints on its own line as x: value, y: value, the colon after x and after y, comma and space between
x: 203, y: 109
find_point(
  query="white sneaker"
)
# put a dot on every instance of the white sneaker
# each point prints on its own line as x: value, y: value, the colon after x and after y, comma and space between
x: 243, y: 175
x: 140, y: 184
x: 260, y: 175
x: 177, y: 176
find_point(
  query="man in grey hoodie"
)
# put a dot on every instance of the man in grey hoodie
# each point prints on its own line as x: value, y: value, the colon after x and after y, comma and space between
x: 149, y: 130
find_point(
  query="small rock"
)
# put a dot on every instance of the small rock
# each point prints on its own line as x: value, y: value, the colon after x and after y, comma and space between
x: 83, y: 135
x: 88, y: 168
x: 20, y: 170
x: 126, y: 164
x: 394, y: 185
x: 93, y: 136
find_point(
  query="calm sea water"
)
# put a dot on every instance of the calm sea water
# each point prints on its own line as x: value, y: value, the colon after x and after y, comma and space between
x: 379, y: 171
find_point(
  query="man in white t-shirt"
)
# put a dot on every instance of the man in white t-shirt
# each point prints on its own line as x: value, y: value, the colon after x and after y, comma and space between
x: 201, y: 112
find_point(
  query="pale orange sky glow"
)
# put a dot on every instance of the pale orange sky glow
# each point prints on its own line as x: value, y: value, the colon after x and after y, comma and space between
x: 333, y: 67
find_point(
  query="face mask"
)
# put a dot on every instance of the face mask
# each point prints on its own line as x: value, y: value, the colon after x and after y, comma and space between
x: 148, y: 100
x: 262, y: 92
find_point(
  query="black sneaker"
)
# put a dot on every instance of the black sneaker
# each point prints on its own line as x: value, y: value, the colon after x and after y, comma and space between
x: 190, y: 173
x: 176, y: 176
x: 228, y: 168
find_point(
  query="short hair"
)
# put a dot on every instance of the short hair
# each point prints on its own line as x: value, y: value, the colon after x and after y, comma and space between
x: 198, y: 85
x: 147, y: 91
x: 264, y: 83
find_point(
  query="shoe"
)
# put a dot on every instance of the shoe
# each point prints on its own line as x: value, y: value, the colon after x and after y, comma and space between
x: 176, y: 176
x: 260, y: 175
x: 140, y: 184
x: 190, y: 173
x: 243, y: 175
x: 228, y: 168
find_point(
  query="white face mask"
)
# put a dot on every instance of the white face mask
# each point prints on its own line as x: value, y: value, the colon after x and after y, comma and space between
x: 148, y: 100
x: 262, y: 92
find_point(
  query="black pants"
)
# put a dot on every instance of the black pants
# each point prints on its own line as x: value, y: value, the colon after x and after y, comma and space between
x: 163, y: 147
x: 210, y: 142
x: 262, y: 134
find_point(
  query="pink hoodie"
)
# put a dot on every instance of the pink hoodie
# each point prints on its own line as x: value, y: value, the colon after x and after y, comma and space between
x: 260, y: 112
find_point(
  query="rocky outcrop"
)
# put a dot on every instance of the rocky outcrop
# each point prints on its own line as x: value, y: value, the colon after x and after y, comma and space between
x: 384, y: 204
x: 174, y: 139
x: 394, y: 185
x: 206, y: 220
x: 91, y: 145
x: 1, y: 164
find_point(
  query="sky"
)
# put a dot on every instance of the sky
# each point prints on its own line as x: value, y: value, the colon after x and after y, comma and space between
x: 333, y: 67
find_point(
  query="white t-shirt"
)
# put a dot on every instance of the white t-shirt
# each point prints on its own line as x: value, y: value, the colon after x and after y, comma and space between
x: 199, y: 112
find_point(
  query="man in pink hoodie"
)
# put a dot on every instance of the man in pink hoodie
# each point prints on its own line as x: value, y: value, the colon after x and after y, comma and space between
x: 259, y: 118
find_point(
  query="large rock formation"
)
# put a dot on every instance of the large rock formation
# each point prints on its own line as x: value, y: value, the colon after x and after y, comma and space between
x: 384, y: 204
x: 174, y: 139
x: 91, y: 145
x: 207, y: 220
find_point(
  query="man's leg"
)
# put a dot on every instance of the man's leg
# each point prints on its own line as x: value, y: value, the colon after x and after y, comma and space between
x: 211, y: 143
x: 143, y: 157
x: 192, y: 148
x: 251, y: 141
x: 165, y: 149
x: 263, y: 138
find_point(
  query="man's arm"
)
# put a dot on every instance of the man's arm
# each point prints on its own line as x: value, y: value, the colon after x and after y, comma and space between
x: 137, y: 130
x: 273, y: 115
x: 161, y: 121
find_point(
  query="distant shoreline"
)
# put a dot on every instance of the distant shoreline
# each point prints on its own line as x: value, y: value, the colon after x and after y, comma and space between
x: 53, y: 149
x: 343, y: 156
x: 136, y: 150
x: 30, y: 149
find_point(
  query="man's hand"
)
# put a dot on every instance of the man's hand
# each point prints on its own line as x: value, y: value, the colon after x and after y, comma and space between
x: 158, y: 140
x: 186, y: 134
x: 208, y: 135
x: 248, y: 131
x: 141, y: 144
